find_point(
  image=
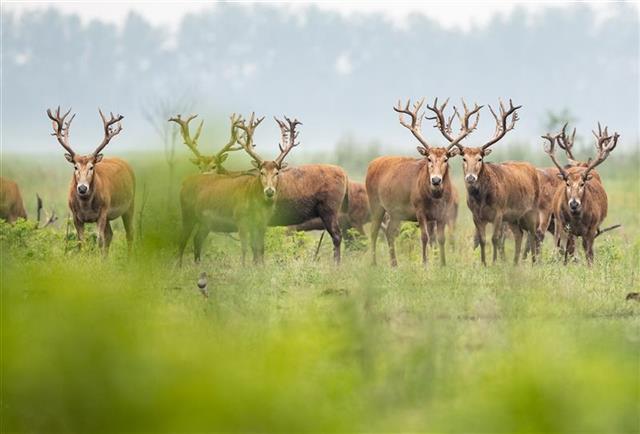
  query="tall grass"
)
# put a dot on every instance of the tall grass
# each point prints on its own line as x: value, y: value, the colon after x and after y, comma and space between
x: 129, y: 344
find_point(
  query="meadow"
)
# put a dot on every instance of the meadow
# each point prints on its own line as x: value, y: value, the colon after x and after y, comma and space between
x: 299, y: 345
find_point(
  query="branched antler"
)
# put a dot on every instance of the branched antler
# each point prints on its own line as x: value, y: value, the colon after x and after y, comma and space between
x: 566, y: 143
x: 501, y: 123
x: 604, y: 144
x: 246, y: 140
x: 61, y: 128
x: 416, y: 119
x: 288, y: 137
x: 109, y: 131
x: 192, y: 143
x: 445, y: 127
x: 550, y: 150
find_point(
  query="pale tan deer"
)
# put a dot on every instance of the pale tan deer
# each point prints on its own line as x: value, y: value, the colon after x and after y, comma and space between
x: 417, y: 189
x: 102, y: 189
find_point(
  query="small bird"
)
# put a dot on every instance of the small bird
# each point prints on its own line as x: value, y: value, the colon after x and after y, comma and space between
x: 633, y: 296
x: 202, y: 284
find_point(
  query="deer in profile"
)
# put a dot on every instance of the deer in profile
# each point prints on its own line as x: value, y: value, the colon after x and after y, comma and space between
x: 211, y: 170
x: 11, y: 204
x: 417, y: 189
x: 102, y: 189
x: 500, y: 193
x: 580, y: 205
x: 245, y: 202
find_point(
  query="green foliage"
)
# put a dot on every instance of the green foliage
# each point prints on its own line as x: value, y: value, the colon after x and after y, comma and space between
x: 129, y: 343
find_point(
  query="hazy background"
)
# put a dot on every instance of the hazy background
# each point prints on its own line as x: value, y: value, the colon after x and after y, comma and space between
x: 338, y: 67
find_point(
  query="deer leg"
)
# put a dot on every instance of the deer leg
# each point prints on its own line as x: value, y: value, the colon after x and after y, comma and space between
x: 587, y: 245
x: 569, y: 248
x: 517, y: 237
x: 102, y: 229
x: 376, y: 221
x: 392, y: 232
x: 481, y: 228
x: 187, y: 229
x: 441, y: 241
x: 432, y: 233
x: 108, y: 236
x: 127, y: 221
x: 331, y: 224
x: 244, y: 241
x: 198, y: 242
x: 79, y: 225
x: 498, y: 235
x: 425, y: 236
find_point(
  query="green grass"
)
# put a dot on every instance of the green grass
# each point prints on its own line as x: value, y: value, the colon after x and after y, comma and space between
x: 129, y: 344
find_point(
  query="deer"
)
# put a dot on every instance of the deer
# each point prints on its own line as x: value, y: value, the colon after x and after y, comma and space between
x: 580, y: 205
x: 101, y: 189
x: 246, y: 202
x: 356, y: 216
x: 211, y: 170
x: 11, y: 204
x: 417, y: 189
x: 500, y: 193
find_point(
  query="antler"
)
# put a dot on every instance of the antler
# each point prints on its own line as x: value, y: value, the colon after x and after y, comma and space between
x: 61, y: 128
x: 288, y: 136
x: 247, y: 140
x: 445, y: 127
x: 416, y: 119
x: 221, y: 156
x: 605, y: 144
x: 192, y: 143
x: 109, y: 131
x: 566, y: 143
x: 501, y: 124
x: 550, y: 150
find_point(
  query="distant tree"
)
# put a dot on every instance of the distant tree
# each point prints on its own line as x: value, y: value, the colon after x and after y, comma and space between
x: 157, y: 113
x: 554, y: 120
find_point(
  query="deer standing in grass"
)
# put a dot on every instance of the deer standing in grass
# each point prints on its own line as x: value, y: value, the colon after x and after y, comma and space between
x: 580, y: 205
x: 245, y: 202
x: 102, y: 189
x: 11, y: 205
x: 211, y: 170
x: 503, y: 192
x: 417, y: 189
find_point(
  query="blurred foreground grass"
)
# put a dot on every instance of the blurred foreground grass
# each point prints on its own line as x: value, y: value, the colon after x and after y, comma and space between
x: 128, y: 344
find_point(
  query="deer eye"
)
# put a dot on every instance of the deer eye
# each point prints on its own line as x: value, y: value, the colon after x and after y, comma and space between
x: 75, y: 166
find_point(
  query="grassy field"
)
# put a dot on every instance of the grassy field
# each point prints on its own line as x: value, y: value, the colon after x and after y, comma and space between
x: 129, y: 344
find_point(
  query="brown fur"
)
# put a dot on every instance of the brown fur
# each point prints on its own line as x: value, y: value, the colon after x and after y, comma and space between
x: 11, y: 205
x: 506, y: 192
x: 401, y: 187
x: 356, y: 216
x: 110, y: 196
x: 586, y: 222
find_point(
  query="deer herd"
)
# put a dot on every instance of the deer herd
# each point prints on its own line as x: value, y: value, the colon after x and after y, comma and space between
x: 568, y: 200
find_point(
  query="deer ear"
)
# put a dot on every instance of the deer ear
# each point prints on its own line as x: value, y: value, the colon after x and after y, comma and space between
x: 573, y: 163
x: 255, y: 164
x: 421, y: 150
x: 561, y: 176
x: 589, y: 176
x: 98, y: 158
x: 454, y: 151
x: 69, y: 158
x: 486, y: 152
x: 194, y: 160
x: 284, y: 165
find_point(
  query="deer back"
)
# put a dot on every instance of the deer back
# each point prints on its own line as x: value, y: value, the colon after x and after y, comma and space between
x: 11, y: 204
x: 306, y: 189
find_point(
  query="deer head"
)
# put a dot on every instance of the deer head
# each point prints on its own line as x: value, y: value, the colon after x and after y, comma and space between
x: 577, y: 177
x: 269, y: 170
x: 473, y: 158
x: 83, y: 165
x: 437, y: 157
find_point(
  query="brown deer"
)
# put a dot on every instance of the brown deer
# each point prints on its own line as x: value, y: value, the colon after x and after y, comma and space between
x: 417, y: 189
x: 211, y: 170
x: 11, y: 205
x: 102, y: 189
x: 355, y: 217
x: 245, y: 202
x: 504, y: 192
x: 580, y: 206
